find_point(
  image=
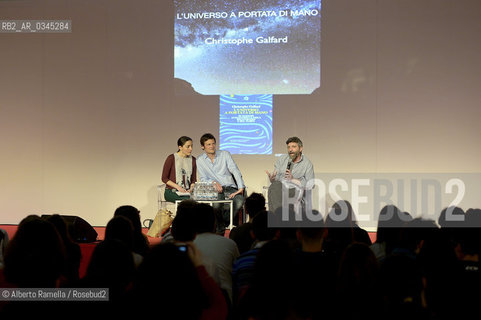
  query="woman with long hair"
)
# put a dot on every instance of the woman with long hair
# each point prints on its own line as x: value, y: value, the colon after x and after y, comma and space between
x: 180, y: 171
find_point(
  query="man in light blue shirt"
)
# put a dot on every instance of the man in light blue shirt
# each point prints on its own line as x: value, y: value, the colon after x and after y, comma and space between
x: 218, y: 168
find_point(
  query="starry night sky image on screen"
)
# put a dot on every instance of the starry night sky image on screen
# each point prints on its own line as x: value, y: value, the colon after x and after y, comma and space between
x: 249, y: 46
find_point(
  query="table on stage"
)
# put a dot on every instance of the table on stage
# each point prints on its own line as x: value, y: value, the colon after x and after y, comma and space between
x: 211, y: 202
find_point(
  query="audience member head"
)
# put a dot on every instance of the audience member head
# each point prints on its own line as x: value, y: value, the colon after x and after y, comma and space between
x: 255, y: 203
x: 141, y: 245
x: 469, y: 240
x: 204, y: 218
x: 391, y: 217
x: 274, y: 262
x: 357, y: 283
x: 451, y: 217
x: 3, y: 245
x: 453, y: 221
x: 340, y: 228
x: 73, y: 254
x: 311, y: 238
x: 311, y: 233
x: 441, y: 270
x: 415, y: 232
x: 272, y: 294
x: 260, y: 228
x: 61, y: 226
x: 35, y: 256
x: 242, y: 236
x: 358, y: 268
x: 390, y: 223
x: 340, y: 215
x: 183, y: 226
x: 120, y: 228
x: 473, y: 218
x: 286, y: 233
x: 111, y: 266
x: 131, y: 213
x: 167, y: 275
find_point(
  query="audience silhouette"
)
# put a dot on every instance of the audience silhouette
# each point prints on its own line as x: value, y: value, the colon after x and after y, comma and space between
x: 218, y: 249
x: 342, y: 229
x: 73, y: 255
x: 111, y: 267
x: 173, y: 284
x: 120, y: 228
x: 141, y: 243
x: 34, y: 258
x: 390, y: 223
x: 254, y: 204
x: 416, y: 268
x: 3, y: 245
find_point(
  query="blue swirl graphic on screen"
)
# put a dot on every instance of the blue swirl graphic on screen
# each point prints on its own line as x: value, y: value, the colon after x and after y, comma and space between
x: 246, y: 123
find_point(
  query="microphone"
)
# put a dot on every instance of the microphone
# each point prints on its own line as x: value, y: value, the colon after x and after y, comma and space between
x: 289, y: 164
x: 183, y: 177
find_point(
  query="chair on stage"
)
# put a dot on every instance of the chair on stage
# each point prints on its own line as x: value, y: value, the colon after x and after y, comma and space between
x: 162, y: 203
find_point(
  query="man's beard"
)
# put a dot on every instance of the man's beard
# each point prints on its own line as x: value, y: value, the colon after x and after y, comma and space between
x: 294, y: 155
